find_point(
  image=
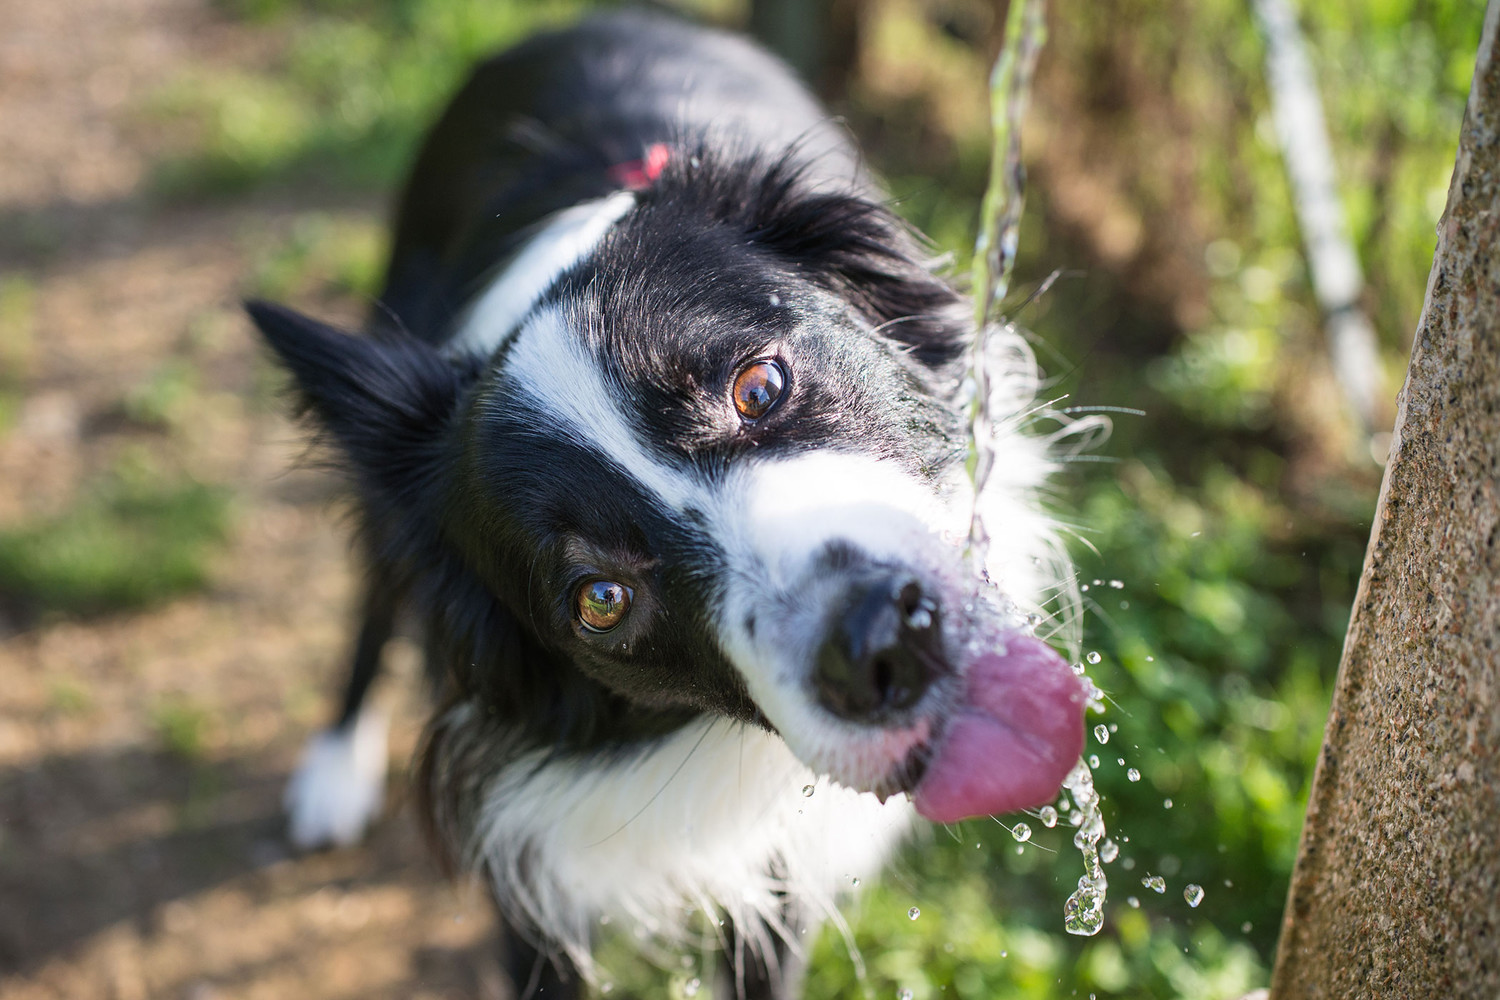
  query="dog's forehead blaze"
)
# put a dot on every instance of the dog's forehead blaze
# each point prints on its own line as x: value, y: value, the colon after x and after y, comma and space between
x: 551, y: 366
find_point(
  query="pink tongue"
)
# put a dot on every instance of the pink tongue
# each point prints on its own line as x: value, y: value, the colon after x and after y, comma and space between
x: 1012, y: 742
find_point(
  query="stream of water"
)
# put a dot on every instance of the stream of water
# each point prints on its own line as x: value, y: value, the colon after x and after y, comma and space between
x: 994, y: 260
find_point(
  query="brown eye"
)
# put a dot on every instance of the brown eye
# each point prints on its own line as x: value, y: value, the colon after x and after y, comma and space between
x: 758, y: 387
x: 602, y: 605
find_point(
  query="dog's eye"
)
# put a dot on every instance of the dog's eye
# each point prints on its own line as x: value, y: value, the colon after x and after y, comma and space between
x: 602, y: 605
x: 757, y: 388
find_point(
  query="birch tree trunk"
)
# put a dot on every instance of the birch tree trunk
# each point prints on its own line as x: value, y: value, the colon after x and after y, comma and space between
x: 1396, y: 892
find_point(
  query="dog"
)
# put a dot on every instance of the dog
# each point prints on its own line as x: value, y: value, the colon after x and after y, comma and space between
x: 658, y: 432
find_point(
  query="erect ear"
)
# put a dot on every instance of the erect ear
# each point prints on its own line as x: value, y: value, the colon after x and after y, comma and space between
x: 385, y: 400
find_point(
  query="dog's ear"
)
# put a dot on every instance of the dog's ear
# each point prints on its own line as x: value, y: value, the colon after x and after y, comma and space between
x: 386, y: 401
x: 868, y: 255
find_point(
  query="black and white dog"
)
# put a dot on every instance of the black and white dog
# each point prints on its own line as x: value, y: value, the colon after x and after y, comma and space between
x: 656, y: 431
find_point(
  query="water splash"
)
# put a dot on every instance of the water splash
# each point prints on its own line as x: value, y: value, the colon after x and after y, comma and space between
x: 994, y: 259
x: 999, y: 233
x: 1155, y: 883
x: 1193, y: 894
x: 1083, y: 913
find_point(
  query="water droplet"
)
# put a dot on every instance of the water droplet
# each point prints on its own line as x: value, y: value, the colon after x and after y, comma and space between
x: 691, y: 987
x: 1128, y: 864
x: 1155, y: 883
x: 854, y: 880
x: 1048, y: 816
x: 1021, y: 832
x: 775, y: 299
x: 1108, y: 851
x: 1084, y: 587
x: 1078, y: 669
x: 1166, y: 803
x: 1193, y: 894
x: 1117, y: 584
x: 1101, y: 733
x: 1005, y: 954
x: 1114, y: 727
x: 1120, y: 761
x: 903, y: 994
x: 913, y: 913
x: 1083, y: 913
x: 1246, y: 927
x: 807, y: 791
x: 1032, y: 621
x: 1093, y: 657
x: 1135, y: 904
x: 1133, y: 774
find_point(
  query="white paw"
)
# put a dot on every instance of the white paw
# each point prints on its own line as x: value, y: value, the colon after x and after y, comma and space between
x: 338, y: 787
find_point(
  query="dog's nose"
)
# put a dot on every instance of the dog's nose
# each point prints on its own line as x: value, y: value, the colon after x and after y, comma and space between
x: 881, y: 653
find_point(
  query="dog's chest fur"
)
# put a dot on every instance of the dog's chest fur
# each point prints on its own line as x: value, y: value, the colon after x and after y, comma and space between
x: 717, y: 818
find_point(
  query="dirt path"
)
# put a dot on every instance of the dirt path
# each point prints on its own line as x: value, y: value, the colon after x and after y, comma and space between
x: 142, y: 756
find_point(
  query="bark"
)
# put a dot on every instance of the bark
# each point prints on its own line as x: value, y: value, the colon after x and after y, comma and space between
x: 1396, y: 892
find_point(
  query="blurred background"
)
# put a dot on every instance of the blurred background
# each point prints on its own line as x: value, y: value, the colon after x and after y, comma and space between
x: 175, y: 575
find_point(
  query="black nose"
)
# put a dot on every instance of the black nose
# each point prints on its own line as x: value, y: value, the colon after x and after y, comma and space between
x: 881, y: 653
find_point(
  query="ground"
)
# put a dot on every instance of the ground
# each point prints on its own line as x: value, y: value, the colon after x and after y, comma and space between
x: 142, y: 756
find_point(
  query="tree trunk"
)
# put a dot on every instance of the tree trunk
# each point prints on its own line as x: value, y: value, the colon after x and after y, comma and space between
x: 1396, y: 892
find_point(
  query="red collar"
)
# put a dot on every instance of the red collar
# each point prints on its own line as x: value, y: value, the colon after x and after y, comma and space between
x: 637, y: 175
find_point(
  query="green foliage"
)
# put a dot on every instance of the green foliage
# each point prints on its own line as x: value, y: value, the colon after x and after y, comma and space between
x: 128, y: 542
x: 356, y: 83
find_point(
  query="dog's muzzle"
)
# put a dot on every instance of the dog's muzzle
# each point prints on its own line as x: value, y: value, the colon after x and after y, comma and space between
x: 882, y: 652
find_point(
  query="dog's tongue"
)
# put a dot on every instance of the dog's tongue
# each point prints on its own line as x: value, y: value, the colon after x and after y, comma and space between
x: 1013, y: 740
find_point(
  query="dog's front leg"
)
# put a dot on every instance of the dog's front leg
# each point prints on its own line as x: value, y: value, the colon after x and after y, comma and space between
x: 535, y: 975
x: 747, y: 974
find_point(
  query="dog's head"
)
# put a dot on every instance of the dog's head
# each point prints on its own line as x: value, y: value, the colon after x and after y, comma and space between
x: 716, y: 466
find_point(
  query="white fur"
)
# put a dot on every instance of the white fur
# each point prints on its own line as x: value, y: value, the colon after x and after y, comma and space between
x: 549, y: 360
x: 562, y: 241
x: 338, y: 787
x: 713, y: 817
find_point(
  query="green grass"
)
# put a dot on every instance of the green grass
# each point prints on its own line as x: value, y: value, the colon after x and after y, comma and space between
x: 181, y: 726
x: 353, y: 87
x: 17, y: 341
x: 128, y: 542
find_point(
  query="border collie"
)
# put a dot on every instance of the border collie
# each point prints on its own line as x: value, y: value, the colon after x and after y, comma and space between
x: 657, y: 431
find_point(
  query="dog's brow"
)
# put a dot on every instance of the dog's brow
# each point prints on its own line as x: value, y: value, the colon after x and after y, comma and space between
x: 551, y: 366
